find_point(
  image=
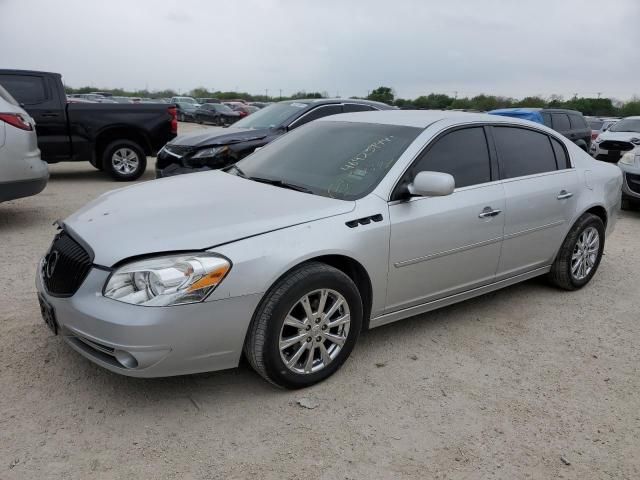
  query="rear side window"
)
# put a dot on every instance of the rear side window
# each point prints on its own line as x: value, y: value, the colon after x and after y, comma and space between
x: 523, y: 152
x: 561, y: 155
x: 463, y: 154
x: 6, y: 96
x: 353, y: 107
x: 560, y: 122
x: 319, y: 112
x: 26, y: 89
x: 577, y: 122
x: 546, y: 118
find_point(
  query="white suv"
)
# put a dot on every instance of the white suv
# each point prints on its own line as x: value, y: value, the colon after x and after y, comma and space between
x: 22, y: 171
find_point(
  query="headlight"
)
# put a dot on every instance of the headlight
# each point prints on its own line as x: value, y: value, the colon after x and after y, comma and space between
x: 207, y: 152
x: 171, y: 280
x: 628, y: 158
x: 635, y: 141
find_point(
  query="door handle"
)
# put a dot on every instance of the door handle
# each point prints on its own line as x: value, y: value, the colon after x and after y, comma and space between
x: 49, y: 114
x: 489, y: 212
x: 563, y: 195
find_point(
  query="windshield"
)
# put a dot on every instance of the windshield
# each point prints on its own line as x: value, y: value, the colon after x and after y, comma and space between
x: 626, y: 125
x: 343, y: 160
x: 185, y: 100
x: 272, y: 116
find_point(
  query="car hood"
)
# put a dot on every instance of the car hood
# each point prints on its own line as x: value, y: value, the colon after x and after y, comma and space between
x: 621, y: 136
x: 191, y: 212
x: 220, y: 136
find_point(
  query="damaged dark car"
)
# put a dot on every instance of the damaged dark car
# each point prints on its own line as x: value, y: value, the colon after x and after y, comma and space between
x: 223, y: 146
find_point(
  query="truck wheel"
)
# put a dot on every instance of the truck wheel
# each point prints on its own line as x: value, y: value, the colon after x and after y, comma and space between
x: 124, y: 160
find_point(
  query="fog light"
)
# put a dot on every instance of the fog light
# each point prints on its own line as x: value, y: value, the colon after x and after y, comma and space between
x: 126, y: 359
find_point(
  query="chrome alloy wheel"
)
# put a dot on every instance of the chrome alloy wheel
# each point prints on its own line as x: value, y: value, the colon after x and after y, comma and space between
x: 314, y: 331
x: 125, y: 161
x: 585, y: 253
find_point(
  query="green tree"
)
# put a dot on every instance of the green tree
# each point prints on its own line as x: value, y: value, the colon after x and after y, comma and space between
x: 382, y: 94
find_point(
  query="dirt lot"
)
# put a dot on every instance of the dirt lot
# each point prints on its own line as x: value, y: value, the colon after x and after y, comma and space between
x: 503, y: 386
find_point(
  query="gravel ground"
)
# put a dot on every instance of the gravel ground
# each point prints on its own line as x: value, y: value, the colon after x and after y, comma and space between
x: 528, y: 382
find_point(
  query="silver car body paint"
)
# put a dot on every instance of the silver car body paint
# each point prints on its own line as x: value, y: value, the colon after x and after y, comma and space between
x: 425, y: 253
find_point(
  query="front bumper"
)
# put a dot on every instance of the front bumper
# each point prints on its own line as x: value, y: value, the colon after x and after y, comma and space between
x: 611, y: 156
x: 631, y: 182
x: 151, y: 341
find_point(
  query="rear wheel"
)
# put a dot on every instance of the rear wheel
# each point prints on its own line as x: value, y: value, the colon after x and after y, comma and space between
x: 305, y: 327
x: 580, y: 254
x: 220, y: 122
x: 124, y: 160
x: 181, y: 117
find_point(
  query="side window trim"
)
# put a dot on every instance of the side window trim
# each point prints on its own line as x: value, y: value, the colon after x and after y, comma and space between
x: 309, y: 112
x: 566, y: 152
x: 425, y: 150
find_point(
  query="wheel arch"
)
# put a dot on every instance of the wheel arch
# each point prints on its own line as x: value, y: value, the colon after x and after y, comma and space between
x: 351, y: 268
x: 105, y: 137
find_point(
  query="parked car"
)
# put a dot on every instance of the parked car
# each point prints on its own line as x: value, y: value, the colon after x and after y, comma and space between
x: 216, y: 113
x: 186, y: 108
x: 630, y: 165
x: 122, y: 99
x: 22, y: 171
x: 347, y: 223
x: 217, y: 149
x: 621, y: 137
x: 115, y: 138
x: 202, y: 101
x: 599, y: 125
x: 569, y: 123
x: 241, y: 108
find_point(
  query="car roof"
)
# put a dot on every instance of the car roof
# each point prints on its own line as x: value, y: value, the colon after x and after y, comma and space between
x: 422, y: 118
x: 546, y: 110
x: 27, y: 72
x: 329, y: 101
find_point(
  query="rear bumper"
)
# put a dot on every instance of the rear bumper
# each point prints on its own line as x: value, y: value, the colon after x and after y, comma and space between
x: 22, y: 188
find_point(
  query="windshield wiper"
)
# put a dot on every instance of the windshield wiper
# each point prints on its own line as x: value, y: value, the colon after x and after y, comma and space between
x: 281, y: 184
x: 238, y: 170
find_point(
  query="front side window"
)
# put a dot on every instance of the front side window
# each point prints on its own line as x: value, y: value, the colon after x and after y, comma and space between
x: 342, y: 160
x: 523, y: 152
x: 577, y: 122
x: 26, y: 89
x: 462, y: 153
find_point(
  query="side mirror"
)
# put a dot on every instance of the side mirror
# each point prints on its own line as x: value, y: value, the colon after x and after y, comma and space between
x: 432, y: 184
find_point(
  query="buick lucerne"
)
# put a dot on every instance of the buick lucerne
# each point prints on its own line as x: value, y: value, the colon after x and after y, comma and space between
x: 347, y: 223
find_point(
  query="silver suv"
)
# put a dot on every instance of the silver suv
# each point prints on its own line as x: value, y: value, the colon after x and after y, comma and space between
x: 22, y: 171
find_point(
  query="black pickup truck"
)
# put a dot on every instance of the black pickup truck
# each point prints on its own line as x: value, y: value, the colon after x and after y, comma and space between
x: 115, y: 138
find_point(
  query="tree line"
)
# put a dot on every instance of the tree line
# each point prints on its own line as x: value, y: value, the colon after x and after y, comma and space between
x: 438, y: 101
x: 588, y: 106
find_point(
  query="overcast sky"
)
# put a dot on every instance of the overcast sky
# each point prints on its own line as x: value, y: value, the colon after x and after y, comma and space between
x: 344, y: 47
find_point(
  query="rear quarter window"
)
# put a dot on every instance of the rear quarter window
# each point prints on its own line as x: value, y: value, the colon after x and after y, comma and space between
x: 577, y: 122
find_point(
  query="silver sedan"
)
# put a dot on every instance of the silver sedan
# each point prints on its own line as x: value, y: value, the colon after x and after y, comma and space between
x: 347, y: 223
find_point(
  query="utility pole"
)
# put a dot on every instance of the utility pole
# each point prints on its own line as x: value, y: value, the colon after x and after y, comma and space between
x: 599, y: 93
x: 266, y: 93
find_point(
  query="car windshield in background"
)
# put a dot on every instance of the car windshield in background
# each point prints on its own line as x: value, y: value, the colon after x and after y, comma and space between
x: 343, y: 160
x: 595, y: 124
x: 271, y: 116
x: 626, y: 125
x: 221, y: 108
x: 6, y: 96
x: 185, y: 100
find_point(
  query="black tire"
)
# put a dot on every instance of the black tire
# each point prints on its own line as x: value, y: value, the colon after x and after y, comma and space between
x: 220, y: 121
x: 560, y: 274
x: 198, y: 120
x: 261, y: 345
x: 181, y: 117
x: 109, y: 162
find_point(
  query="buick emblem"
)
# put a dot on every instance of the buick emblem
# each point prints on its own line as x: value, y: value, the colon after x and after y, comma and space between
x: 52, y: 261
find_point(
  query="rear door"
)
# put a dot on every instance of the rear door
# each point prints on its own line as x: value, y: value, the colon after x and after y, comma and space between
x: 37, y: 94
x: 560, y: 123
x: 580, y: 129
x: 441, y: 246
x: 539, y: 189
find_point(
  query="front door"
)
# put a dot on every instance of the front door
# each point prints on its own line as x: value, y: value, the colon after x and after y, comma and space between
x: 441, y: 246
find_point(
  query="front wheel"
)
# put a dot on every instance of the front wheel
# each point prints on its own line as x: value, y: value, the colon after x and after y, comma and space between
x: 124, y: 160
x: 305, y: 327
x: 580, y: 254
